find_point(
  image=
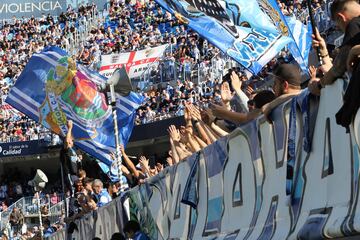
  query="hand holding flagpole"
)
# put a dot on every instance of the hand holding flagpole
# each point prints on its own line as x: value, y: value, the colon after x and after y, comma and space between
x: 313, y: 26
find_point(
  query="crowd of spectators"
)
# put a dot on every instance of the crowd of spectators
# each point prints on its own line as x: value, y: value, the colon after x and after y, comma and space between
x: 19, y: 39
x: 233, y: 104
x: 14, y: 185
x: 298, y: 7
x: 127, y: 27
x: 211, y: 109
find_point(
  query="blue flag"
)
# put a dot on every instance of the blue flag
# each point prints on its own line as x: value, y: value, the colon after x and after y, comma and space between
x: 299, y: 34
x: 53, y: 89
x: 265, y: 15
x: 301, y: 45
x: 252, y: 40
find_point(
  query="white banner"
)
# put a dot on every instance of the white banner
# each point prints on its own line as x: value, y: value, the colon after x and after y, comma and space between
x: 136, y: 62
x: 245, y: 186
x: 263, y: 181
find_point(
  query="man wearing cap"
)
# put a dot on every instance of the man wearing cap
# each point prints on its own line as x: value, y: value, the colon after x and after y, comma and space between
x: 287, y: 80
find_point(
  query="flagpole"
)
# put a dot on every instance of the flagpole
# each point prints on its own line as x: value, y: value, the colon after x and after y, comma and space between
x: 116, y: 130
x: 312, y: 22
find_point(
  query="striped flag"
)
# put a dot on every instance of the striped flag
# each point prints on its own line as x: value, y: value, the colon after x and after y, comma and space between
x: 299, y: 34
x: 53, y: 89
x: 301, y: 45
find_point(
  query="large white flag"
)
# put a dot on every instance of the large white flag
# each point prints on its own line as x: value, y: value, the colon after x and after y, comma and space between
x: 136, y: 62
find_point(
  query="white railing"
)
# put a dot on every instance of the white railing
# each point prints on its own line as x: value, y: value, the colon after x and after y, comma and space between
x: 28, y: 206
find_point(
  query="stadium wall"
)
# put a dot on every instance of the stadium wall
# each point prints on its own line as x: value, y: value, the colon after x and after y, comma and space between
x: 239, y: 187
x: 102, y: 223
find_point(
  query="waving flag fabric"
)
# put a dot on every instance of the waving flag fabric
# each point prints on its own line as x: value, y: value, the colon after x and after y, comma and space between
x: 301, y: 46
x: 251, y: 32
x: 252, y: 41
x: 265, y: 15
x: 135, y: 62
x: 53, y: 89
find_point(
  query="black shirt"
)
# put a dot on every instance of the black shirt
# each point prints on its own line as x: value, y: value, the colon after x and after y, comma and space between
x: 352, y: 33
x: 69, y: 160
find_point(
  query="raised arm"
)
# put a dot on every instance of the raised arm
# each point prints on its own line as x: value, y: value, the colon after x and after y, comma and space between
x: 128, y: 162
x: 235, y: 117
x: 175, y: 135
x: 236, y: 84
x: 69, y: 143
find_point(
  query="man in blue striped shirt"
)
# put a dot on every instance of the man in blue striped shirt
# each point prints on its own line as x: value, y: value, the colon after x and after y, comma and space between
x: 101, y: 195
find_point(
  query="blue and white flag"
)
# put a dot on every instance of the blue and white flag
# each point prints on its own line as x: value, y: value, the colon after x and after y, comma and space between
x: 265, y: 15
x: 263, y: 32
x: 301, y: 45
x: 53, y: 89
x: 252, y: 41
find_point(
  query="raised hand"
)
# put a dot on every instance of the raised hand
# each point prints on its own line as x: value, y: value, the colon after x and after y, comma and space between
x: 159, y: 167
x: 169, y: 160
x: 226, y: 95
x: 187, y: 114
x: 70, y: 124
x: 195, y: 113
x: 249, y: 90
x: 235, y: 81
x: 174, y: 133
x: 312, y: 72
x: 209, y: 114
x: 122, y: 150
x: 217, y: 110
x: 319, y: 42
x: 144, y: 162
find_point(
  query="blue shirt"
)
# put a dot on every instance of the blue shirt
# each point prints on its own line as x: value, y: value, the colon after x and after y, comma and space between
x: 103, y: 198
x: 48, y: 232
x: 140, y: 236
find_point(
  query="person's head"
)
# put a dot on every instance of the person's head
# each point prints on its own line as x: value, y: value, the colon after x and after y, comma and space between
x: 79, y: 154
x: 343, y: 11
x: 87, y: 182
x: 46, y: 223
x: 115, y: 187
x: 117, y: 236
x: 287, y: 79
x: 81, y: 174
x: 97, y: 186
x: 78, y: 185
x: 263, y: 98
x: 131, y: 227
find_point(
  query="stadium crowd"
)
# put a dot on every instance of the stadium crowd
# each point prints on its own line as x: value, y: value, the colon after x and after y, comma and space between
x: 19, y: 39
x: 211, y: 109
x: 127, y: 27
x: 298, y: 7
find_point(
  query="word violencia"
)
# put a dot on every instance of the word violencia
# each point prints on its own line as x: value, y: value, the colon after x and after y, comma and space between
x: 28, y: 7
